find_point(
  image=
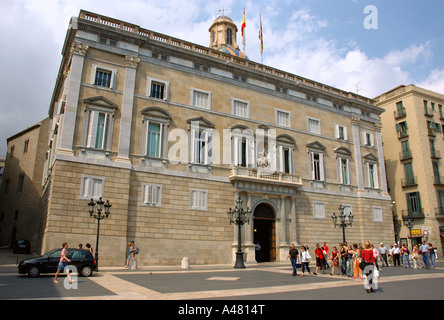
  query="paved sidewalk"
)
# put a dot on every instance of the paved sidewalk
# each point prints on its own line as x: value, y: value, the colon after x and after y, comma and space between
x: 257, y: 281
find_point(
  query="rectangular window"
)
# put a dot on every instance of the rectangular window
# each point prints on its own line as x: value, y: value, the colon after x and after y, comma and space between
x: 409, y: 177
x: 341, y: 132
x: 201, y: 146
x: 157, y: 90
x: 241, y: 109
x: 151, y: 195
x: 103, y: 78
x: 377, y: 214
x: 344, y: 170
x: 199, y: 199
x: 92, y: 187
x: 154, y: 140
x: 372, y: 176
x: 243, y: 151
x: 21, y: 181
x: 99, y: 129
x: 201, y: 99
x: 317, y: 166
x: 319, y: 210
x: 314, y: 126
x: 414, y: 204
x: 283, y: 118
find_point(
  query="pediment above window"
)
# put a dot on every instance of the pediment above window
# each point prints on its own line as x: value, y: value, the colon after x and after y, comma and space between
x: 202, y: 122
x: 343, y: 151
x: 316, y: 145
x: 370, y: 157
x: 100, y: 102
x: 156, y: 112
x: 285, y: 138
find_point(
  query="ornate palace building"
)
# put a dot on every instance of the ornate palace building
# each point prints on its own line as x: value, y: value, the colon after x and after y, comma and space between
x: 172, y: 133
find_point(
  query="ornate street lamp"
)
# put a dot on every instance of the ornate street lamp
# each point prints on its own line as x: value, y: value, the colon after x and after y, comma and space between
x: 239, y: 217
x: 98, y: 215
x: 343, y: 221
x: 409, y: 223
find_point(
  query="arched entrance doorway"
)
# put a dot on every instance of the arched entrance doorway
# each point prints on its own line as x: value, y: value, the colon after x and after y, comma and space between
x: 264, y: 229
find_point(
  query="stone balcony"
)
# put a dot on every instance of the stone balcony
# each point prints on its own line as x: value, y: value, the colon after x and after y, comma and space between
x: 265, y: 176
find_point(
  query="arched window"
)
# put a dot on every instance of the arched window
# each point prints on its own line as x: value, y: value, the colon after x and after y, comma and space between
x: 229, y: 36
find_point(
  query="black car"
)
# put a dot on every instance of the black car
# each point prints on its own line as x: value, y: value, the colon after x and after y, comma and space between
x: 47, y: 263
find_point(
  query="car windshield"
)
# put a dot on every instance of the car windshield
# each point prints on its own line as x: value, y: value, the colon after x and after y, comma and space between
x: 53, y: 254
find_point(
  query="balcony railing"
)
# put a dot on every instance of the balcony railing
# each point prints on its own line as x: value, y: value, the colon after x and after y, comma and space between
x: 409, y: 182
x: 413, y: 214
x: 399, y: 114
x: 405, y: 154
x: 264, y: 175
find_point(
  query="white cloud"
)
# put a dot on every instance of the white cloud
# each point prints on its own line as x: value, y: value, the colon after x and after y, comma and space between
x: 434, y: 82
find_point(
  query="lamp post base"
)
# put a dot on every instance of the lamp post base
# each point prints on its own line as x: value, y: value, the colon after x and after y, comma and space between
x: 239, y: 260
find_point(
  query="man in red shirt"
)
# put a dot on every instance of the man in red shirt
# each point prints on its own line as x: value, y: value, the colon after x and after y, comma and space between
x: 320, y: 259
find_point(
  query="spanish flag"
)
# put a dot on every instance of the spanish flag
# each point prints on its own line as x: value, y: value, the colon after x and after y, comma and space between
x: 261, y: 35
x: 244, y: 25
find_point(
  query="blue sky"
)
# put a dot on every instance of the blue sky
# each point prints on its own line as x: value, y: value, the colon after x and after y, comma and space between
x: 323, y: 40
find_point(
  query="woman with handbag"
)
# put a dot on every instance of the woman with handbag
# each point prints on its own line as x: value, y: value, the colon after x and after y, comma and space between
x: 367, y: 266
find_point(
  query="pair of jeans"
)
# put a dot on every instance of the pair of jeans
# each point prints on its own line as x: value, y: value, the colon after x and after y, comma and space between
x: 349, y: 270
x: 425, y: 258
x: 293, y: 263
x: 432, y: 259
x: 406, y: 260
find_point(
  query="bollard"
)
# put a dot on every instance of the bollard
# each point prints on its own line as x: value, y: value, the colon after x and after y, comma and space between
x: 133, y: 264
x: 185, y: 263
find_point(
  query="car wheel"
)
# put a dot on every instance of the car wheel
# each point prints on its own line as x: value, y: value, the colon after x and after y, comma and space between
x: 86, y: 271
x: 34, y: 272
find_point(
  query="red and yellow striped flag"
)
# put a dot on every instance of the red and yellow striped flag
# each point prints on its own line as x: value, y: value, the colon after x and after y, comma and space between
x: 261, y: 35
x: 244, y: 25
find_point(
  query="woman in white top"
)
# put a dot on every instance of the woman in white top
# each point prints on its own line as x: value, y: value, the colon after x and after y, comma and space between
x: 305, y: 260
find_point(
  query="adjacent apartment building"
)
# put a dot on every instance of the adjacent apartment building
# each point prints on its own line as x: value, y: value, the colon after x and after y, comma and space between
x: 21, y: 186
x: 172, y: 133
x: 414, y: 146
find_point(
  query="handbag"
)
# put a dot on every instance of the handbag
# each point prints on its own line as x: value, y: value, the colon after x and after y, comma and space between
x: 363, y: 264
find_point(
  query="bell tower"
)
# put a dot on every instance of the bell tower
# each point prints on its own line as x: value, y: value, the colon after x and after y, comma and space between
x: 223, y: 33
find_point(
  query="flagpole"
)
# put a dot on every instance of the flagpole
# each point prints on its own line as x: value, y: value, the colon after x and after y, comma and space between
x: 261, y: 37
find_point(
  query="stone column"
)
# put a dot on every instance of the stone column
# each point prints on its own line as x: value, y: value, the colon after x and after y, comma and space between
x: 357, y: 151
x: 281, y: 230
x: 249, y: 246
x: 293, y: 224
x: 127, y: 108
x: 66, y: 130
x: 382, y: 173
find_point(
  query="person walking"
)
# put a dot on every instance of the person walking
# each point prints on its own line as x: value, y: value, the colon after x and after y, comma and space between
x: 349, y: 262
x: 431, y: 255
x: 63, y: 264
x: 425, y: 253
x: 293, y: 254
x: 89, y: 248
x: 415, y: 256
x: 405, y: 256
x: 383, y: 253
x: 320, y: 259
x: 130, y: 255
x: 334, y: 261
x: 342, y: 253
x: 390, y: 257
x: 305, y: 260
x: 369, y: 261
x: 325, y: 251
x: 356, y: 261
x: 396, y: 253
x: 376, y: 255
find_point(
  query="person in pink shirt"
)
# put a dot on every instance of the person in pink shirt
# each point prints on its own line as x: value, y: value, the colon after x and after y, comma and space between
x: 63, y: 264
